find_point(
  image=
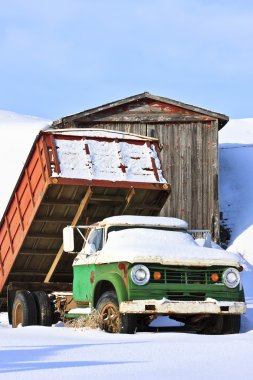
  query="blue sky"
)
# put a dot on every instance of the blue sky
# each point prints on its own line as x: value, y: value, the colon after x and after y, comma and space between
x: 59, y: 57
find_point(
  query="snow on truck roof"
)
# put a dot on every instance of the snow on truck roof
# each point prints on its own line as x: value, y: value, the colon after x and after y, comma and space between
x: 154, y: 221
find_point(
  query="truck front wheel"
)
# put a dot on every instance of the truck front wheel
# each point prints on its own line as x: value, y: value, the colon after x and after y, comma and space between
x: 24, y: 311
x: 113, y: 321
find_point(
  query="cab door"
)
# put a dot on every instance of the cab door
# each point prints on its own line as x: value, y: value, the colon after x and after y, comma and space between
x: 84, y: 266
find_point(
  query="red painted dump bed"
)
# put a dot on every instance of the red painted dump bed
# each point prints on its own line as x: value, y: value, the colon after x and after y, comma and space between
x: 70, y: 177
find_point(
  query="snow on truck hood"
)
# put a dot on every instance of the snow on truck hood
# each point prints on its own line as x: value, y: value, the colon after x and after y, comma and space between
x: 145, y: 245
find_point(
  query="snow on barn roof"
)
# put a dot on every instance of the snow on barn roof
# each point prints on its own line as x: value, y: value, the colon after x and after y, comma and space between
x: 154, y: 221
x: 106, y: 155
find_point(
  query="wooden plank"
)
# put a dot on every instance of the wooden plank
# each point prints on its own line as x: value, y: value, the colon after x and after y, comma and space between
x: 36, y: 252
x: 51, y: 219
x: 77, y: 216
x: 129, y: 198
x: 95, y: 199
x: 144, y: 118
x: 59, y: 202
x: 215, y: 180
x: 38, y: 235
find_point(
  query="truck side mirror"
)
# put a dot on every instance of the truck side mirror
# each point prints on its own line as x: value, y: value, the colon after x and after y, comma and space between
x: 68, y: 239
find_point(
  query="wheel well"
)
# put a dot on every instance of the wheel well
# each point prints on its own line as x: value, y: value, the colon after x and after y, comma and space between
x: 102, y: 287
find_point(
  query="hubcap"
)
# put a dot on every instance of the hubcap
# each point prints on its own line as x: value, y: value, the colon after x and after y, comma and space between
x: 110, y: 315
x: 18, y: 315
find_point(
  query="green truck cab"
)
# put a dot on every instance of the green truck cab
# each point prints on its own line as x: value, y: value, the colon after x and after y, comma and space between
x: 133, y: 269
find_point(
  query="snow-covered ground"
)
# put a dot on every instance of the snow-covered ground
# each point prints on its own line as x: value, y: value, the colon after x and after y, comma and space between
x: 236, y: 184
x: 64, y: 353
x: 61, y: 353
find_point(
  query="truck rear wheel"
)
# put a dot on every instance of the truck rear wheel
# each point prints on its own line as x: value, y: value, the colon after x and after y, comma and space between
x: 44, y: 308
x: 113, y: 322
x: 24, y: 311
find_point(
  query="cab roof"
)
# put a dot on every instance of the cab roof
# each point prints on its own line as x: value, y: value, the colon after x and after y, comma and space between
x: 149, y: 221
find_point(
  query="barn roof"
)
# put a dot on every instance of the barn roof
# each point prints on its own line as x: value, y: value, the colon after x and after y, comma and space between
x: 170, y: 113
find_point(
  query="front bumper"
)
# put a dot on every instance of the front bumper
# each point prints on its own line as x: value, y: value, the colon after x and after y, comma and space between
x: 166, y: 306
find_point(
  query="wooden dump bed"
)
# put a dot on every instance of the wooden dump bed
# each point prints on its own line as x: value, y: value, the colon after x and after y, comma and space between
x: 74, y: 177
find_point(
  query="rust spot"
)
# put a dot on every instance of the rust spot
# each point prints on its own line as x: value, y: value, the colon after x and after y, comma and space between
x: 87, y: 150
x: 123, y: 168
x: 124, y: 270
x: 92, y: 277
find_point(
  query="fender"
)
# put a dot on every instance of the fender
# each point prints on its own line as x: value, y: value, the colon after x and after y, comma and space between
x: 117, y: 281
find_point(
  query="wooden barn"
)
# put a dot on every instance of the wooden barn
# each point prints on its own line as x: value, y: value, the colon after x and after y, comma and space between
x: 189, y: 136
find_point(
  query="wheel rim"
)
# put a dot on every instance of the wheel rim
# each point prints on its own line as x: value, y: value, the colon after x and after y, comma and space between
x: 18, y: 315
x: 110, y: 315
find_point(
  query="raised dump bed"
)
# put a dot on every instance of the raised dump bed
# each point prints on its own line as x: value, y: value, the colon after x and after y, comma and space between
x: 74, y: 176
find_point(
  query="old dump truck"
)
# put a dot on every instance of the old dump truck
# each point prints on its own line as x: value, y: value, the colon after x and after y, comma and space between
x: 129, y: 264
x: 70, y: 177
x: 134, y: 268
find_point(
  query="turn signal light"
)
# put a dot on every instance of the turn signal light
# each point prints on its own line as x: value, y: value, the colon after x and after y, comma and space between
x: 240, y: 268
x: 157, y: 276
x: 215, y: 277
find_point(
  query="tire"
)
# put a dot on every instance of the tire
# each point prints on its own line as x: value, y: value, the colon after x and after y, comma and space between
x: 24, y: 312
x: 44, y: 308
x: 231, y: 324
x: 212, y: 325
x: 113, y: 322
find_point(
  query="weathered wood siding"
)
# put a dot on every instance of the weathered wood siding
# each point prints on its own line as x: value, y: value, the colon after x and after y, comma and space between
x: 190, y: 163
x: 189, y: 136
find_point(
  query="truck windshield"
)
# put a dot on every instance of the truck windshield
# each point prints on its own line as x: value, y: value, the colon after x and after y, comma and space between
x: 96, y: 238
x: 120, y: 228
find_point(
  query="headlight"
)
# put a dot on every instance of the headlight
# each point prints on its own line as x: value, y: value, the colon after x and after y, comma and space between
x: 140, y: 275
x: 231, y: 277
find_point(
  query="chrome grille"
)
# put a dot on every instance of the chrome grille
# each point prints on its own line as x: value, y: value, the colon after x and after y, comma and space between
x: 185, y: 275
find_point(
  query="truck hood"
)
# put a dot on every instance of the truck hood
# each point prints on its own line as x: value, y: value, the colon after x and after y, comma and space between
x: 143, y: 245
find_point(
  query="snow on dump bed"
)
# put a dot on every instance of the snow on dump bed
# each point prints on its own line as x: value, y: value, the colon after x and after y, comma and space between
x: 145, y: 245
x: 108, y: 160
x: 159, y: 221
x: 104, y: 133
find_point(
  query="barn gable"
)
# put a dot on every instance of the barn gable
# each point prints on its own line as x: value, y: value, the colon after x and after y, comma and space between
x: 189, y: 136
x: 144, y: 108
